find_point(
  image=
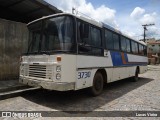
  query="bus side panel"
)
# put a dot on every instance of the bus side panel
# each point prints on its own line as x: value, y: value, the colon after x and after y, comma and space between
x: 84, y: 61
x: 122, y: 72
x: 140, y: 60
x: 109, y: 72
x: 84, y: 78
x: 143, y: 69
x: 125, y: 65
x: 68, y: 68
x: 87, y: 67
x: 137, y: 58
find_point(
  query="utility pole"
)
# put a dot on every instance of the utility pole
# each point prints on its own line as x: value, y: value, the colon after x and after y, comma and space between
x: 145, y: 28
x: 73, y: 10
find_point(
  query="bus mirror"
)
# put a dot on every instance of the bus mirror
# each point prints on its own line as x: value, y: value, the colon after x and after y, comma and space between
x: 106, y: 53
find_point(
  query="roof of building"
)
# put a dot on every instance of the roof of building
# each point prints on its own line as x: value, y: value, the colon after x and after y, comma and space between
x: 25, y: 10
x: 153, y: 42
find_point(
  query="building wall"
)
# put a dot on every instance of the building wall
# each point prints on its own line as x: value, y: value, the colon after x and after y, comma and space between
x: 155, y: 48
x: 13, y: 41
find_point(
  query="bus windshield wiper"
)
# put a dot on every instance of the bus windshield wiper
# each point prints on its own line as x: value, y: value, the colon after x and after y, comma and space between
x: 48, y: 52
x: 55, y: 51
x: 30, y: 53
x: 45, y: 52
x: 61, y: 51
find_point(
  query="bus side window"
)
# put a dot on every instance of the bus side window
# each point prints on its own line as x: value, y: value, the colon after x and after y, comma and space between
x: 141, y: 52
x: 116, y: 41
x: 96, y: 37
x: 83, y: 37
x: 123, y: 44
x: 128, y: 47
x: 145, y: 50
x: 109, y: 39
x: 89, y: 39
x: 134, y: 46
x: 96, y: 40
x: 83, y: 33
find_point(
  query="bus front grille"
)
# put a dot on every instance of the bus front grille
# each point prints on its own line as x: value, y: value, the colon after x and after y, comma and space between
x: 37, y: 71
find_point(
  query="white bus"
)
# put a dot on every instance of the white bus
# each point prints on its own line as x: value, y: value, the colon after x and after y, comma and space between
x: 69, y: 52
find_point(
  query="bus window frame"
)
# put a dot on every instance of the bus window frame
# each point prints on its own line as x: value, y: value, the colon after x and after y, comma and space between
x: 42, y: 29
x: 91, y: 46
x: 121, y: 35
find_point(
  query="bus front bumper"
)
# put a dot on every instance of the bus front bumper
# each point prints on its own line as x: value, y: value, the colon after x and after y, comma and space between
x: 59, y: 86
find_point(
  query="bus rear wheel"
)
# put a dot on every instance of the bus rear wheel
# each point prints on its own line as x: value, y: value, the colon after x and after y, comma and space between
x: 135, y: 78
x: 97, y: 86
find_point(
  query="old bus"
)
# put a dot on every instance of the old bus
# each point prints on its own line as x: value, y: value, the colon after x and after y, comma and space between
x: 71, y: 52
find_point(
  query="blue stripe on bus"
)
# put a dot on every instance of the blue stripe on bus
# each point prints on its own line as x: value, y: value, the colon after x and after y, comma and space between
x: 116, y: 58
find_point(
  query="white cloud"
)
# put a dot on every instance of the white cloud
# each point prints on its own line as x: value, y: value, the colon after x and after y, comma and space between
x: 130, y: 34
x: 153, y: 32
x: 140, y: 17
x: 137, y: 12
x: 129, y: 24
x: 101, y: 13
x: 148, y: 18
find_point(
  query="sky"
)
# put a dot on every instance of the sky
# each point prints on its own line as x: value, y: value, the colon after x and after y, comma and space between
x: 127, y: 16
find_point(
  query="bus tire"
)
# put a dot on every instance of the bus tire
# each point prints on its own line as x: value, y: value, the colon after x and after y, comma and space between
x: 135, y: 78
x: 97, y: 86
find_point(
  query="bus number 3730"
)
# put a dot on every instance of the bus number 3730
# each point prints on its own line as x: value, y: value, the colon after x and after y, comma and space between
x: 84, y: 75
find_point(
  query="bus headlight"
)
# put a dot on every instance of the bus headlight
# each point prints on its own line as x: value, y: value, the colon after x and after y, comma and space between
x: 58, y: 68
x: 58, y: 76
x: 21, y: 59
x: 22, y: 70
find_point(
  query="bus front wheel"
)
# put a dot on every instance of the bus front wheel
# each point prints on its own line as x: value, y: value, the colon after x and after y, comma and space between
x: 97, y: 86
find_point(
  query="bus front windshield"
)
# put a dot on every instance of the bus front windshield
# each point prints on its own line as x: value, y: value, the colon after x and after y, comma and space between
x: 52, y: 35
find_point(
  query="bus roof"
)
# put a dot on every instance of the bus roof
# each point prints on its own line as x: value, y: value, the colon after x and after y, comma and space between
x: 89, y: 20
x: 94, y: 22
